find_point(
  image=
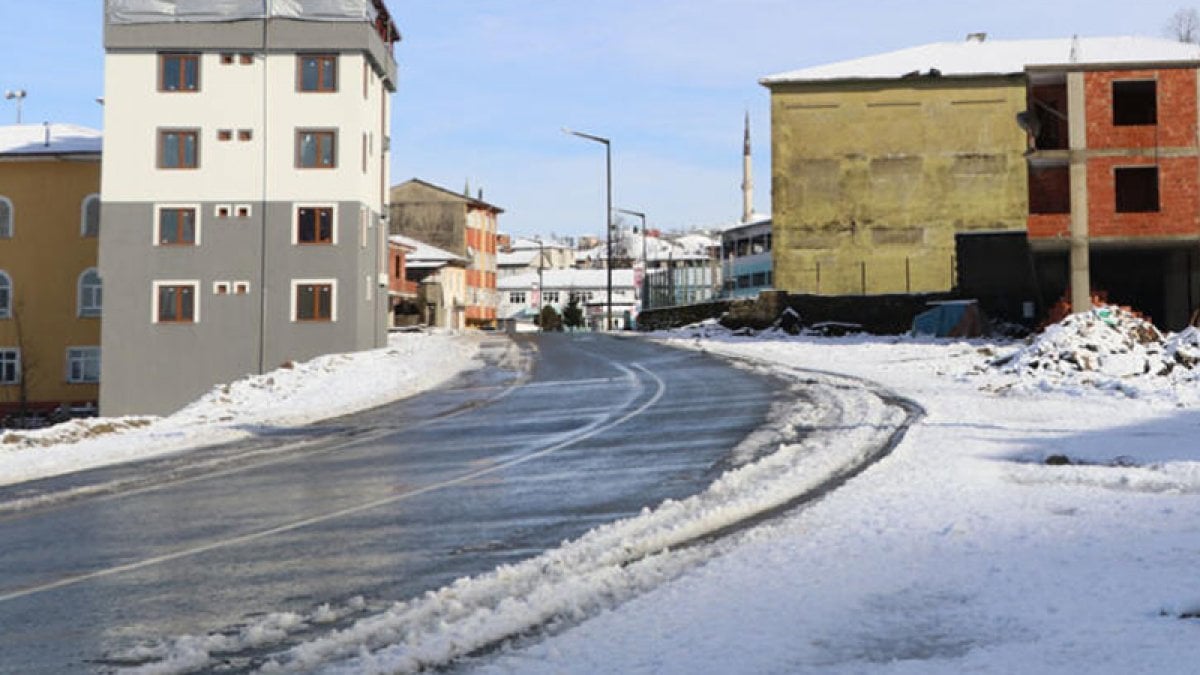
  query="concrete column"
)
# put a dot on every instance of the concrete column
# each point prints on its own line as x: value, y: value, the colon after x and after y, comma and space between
x: 1081, y: 283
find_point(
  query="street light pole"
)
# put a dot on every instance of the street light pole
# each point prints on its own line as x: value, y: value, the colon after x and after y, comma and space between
x: 17, y: 95
x: 645, y: 262
x: 607, y: 208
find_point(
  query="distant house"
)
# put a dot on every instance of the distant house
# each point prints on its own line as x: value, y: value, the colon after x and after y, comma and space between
x: 51, y: 295
x: 746, y: 258
x: 440, y: 281
x: 460, y: 224
x: 521, y: 256
x: 523, y: 296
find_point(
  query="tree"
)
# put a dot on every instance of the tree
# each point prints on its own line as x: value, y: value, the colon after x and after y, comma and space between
x: 1184, y: 25
x: 572, y: 315
x: 549, y: 319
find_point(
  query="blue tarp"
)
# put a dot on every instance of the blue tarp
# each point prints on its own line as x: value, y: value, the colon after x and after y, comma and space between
x: 948, y: 319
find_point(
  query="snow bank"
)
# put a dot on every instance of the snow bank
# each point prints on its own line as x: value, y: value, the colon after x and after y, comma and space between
x: 325, y: 387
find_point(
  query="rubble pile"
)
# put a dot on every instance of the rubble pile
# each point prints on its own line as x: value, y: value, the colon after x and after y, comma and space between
x: 1106, y: 342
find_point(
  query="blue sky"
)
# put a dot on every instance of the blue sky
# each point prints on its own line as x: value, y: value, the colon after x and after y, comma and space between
x: 487, y: 85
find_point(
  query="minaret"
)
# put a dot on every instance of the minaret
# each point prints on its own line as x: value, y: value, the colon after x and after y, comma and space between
x: 747, y: 180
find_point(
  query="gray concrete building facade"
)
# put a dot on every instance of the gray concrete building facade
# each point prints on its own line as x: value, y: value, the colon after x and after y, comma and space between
x: 244, y: 195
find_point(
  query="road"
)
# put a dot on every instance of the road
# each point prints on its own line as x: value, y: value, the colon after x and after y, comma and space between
x: 338, y: 520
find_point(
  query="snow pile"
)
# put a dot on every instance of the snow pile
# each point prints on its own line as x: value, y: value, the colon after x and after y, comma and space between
x: 1110, y: 349
x: 1108, y: 341
x: 294, y: 394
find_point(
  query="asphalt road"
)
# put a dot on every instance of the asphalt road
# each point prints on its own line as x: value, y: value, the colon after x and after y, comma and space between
x: 559, y: 434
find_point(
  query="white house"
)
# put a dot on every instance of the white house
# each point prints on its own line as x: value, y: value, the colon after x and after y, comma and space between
x: 522, y: 296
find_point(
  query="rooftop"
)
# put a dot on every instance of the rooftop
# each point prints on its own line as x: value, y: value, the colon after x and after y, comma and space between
x: 30, y: 140
x: 567, y: 279
x: 981, y: 56
x: 422, y: 254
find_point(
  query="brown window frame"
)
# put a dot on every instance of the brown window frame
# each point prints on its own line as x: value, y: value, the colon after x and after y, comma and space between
x: 321, y: 86
x: 226, y: 58
x: 224, y: 134
x: 184, y: 58
x: 245, y: 135
x: 179, y: 307
x: 322, y: 137
x: 315, y: 307
x: 181, y: 159
x: 317, y: 239
x: 246, y: 58
x: 177, y: 211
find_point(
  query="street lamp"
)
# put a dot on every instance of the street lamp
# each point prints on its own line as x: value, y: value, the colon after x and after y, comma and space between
x: 18, y: 95
x: 607, y: 208
x: 645, y: 261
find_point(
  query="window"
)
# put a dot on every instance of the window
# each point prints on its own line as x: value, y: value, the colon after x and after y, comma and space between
x: 241, y: 287
x: 177, y: 226
x: 220, y: 288
x: 91, y: 293
x: 313, y: 301
x: 6, y: 218
x: 10, y: 365
x: 246, y: 58
x: 245, y: 135
x: 223, y: 211
x: 178, y: 149
x: 5, y: 295
x: 243, y: 210
x: 550, y: 297
x: 83, y: 365
x: 1135, y: 102
x: 516, y: 298
x: 175, y: 302
x: 224, y: 134
x: 1136, y: 189
x: 316, y: 72
x: 226, y: 58
x: 316, y: 149
x: 90, y: 216
x: 179, y: 72
x: 314, y: 225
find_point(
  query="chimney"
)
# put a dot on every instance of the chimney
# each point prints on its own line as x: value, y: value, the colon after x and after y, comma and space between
x: 976, y: 37
x: 46, y: 127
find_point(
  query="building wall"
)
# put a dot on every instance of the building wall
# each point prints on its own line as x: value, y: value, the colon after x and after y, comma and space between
x: 432, y: 216
x: 238, y: 334
x: 44, y: 259
x: 871, y: 181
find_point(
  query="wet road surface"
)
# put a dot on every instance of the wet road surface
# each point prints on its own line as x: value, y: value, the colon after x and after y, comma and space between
x: 559, y: 434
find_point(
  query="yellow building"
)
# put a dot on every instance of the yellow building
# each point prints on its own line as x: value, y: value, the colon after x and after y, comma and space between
x: 878, y: 162
x: 50, y: 292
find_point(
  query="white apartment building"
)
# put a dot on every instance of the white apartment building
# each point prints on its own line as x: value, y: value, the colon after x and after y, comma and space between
x: 243, y: 190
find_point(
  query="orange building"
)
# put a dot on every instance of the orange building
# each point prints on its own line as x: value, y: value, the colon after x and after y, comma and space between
x: 1113, y: 173
x: 460, y: 224
x: 50, y: 290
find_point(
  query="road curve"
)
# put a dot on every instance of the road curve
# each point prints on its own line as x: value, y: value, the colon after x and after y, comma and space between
x: 338, y: 521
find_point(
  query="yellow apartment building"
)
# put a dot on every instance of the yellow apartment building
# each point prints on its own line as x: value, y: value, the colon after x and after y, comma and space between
x: 50, y: 290
x: 878, y: 162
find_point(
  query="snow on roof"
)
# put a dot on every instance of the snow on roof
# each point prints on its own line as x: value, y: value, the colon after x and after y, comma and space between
x: 423, y: 253
x: 64, y: 139
x: 995, y: 57
x: 518, y: 258
x: 524, y: 243
x: 566, y: 279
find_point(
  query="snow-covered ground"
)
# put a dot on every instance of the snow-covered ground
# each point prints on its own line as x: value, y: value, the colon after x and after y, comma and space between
x: 964, y: 550
x: 325, y: 387
x: 1043, y: 516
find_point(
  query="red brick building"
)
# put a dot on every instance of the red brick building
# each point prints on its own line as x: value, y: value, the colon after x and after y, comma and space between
x: 1114, y: 173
